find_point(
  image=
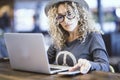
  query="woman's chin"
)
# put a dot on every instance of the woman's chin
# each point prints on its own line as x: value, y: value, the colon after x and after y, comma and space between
x: 70, y: 30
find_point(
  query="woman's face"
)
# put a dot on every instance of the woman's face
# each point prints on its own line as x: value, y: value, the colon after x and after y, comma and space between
x: 67, y: 18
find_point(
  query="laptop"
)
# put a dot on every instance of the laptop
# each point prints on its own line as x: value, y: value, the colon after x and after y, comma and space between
x: 27, y: 52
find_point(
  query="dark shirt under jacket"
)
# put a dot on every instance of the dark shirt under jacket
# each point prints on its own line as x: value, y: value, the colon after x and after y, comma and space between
x: 93, y: 49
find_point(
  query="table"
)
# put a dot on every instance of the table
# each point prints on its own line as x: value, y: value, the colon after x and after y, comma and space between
x: 6, y: 73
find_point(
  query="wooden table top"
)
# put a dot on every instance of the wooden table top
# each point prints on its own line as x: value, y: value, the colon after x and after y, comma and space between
x: 6, y: 73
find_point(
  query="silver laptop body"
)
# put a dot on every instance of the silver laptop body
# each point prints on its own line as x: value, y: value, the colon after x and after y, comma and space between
x: 27, y: 52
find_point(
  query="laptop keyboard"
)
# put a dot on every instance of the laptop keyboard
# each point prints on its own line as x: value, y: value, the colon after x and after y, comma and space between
x: 52, y: 69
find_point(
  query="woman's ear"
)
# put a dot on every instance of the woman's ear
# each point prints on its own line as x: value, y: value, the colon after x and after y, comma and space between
x: 78, y: 18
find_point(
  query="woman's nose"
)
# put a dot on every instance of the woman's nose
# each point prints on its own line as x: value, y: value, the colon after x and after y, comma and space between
x: 66, y: 19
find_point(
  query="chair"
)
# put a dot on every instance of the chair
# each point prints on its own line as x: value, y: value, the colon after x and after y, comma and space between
x: 112, y: 69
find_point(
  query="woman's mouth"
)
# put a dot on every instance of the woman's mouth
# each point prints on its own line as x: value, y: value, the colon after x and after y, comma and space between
x: 67, y: 25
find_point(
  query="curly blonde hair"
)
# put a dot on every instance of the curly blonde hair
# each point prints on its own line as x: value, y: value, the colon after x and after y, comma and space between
x: 59, y: 35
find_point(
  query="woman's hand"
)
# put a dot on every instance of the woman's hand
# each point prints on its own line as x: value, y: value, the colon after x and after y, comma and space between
x: 83, y: 65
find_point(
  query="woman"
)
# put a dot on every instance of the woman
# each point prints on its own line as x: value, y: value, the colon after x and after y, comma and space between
x: 76, y: 41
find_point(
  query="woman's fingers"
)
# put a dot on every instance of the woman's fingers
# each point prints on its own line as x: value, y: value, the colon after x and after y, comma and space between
x: 83, y: 65
x: 76, y: 67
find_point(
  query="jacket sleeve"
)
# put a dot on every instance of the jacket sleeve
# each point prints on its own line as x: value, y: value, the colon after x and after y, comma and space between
x: 51, y: 54
x: 100, y: 61
x: 99, y: 54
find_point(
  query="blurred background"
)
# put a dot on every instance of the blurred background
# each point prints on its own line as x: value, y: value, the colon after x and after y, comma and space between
x: 27, y: 16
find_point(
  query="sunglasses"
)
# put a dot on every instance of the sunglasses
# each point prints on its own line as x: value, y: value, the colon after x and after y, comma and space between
x: 69, y: 15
